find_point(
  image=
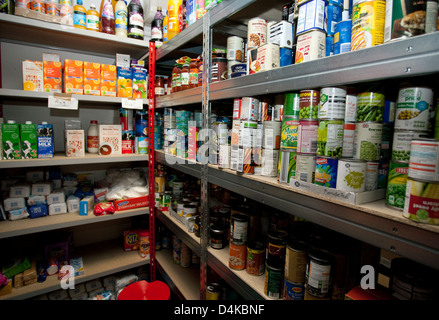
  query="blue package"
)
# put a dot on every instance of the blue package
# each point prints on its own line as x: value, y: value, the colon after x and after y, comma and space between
x: 38, y: 211
x: 45, y: 140
x: 329, y: 45
x: 333, y: 16
x: 286, y: 56
x: 342, y: 36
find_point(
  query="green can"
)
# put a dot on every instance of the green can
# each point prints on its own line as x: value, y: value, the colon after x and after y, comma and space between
x: 286, y: 166
x: 370, y: 107
x: 291, y: 105
x: 330, y: 138
x: 396, y: 184
x: 274, y: 281
x: 289, y: 133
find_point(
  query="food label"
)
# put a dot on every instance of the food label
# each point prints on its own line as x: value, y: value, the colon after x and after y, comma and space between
x: 367, y: 142
x: 413, y: 108
x: 368, y: 19
x: 422, y: 202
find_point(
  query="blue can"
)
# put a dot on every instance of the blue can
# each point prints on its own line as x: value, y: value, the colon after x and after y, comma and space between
x: 333, y: 16
x: 238, y: 74
x: 293, y: 290
x: 329, y: 45
x: 342, y: 36
x: 336, y: 2
x: 326, y: 172
x: 286, y: 56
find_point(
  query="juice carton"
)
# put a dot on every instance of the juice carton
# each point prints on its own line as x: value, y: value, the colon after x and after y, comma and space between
x: 124, y: 82
x: 52, y: 72
x: 75, y: 143
x: 11, y: 140
x: 108, y: 80
x: 92, y: 78
x: 110, y: 139
x: 28, y: 139
x: 33, y: 79
x: 73, y: 76
x: 45, y: 140
x: 140, y: 83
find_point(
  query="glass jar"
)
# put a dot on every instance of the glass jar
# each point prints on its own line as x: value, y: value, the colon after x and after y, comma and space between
x: 169, y: 86
x: 159, y: 89
x: 176, y: 78
x: 193, y: 73
x: 200, y: 72
x: 184, y: 76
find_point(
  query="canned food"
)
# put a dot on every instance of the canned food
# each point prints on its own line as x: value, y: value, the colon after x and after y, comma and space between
x: 295, y: 262
x: 278, y: 110
x: 348, y: 140
x: 249, y: 109
x: 424, y: 160
x: 318, y: 273
x: 160, y: 184
x: 371, y: 179
x: 330, y: 138
x: 217, y: 237
x: 185, y: 258
x: 351, y: 175
x: 289, y: 133
x: 351, y: 106
x: 422, y: 201
x: 273, y: 284
x: 310, y: 46
x: 287, y: 166
x: 189, y: 210
x: 269, y: 162
x: 305, y: 167
x: 326, y: 172
x: 332, y: 103
x: 309, y: 104
x: 413, y: 108
x: 389, y: 111
x: 272, y: 132
x: 213, y: 291
x: 402, y: 140
x: 239, y: 227
x: 294, y: 290
x: 383, y: 174
x: 235, y: 48
x: 256, y: 32
x: 255, y: 264
x: 307, y: 136
x: 342, y: 34
x: 266, y: 112
x: 396, y: 184
x: 292, y: 105
x: 367, y: 141
x: 237, y: 255
x: 237, y: 109
x: 311, y: 16
x: 277, y: 241
x: 333, y: 16
x: 370, y: 107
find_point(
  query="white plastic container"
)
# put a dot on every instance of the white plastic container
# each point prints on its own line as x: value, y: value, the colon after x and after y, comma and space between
x: 93, y: 137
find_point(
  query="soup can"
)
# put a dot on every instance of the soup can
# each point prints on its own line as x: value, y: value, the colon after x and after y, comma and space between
x: 256, y: 32
x: 237, y: 255
x: 287, y: 166
x: 273, y: 284
x: 295, y: 262
x: 307, y: 136
x: 305, y: 167
x: 318, y: 273
x: 332, y: 103
x: 424, y: 160
x: 255, y: 264
x: 396, y: 184
x: 351, y: 175
x: 235, y: 48
x: 266, y: 112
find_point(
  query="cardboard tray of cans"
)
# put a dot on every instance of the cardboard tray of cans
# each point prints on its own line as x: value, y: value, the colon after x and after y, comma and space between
x: 42, y: 16
x: 343, y: 196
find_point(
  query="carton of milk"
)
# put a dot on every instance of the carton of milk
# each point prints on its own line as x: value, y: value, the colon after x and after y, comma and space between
x: 45, y: 140
x: 11, y: 140
x: 28, y: 140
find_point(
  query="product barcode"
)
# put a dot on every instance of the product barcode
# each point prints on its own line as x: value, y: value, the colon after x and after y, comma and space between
x: 303, y: 176
x: 313, y: 146
x: 269, y: 142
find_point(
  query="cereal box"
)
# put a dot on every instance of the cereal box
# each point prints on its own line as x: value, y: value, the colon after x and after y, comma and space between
x: 108, y: 80
x: 52, y: 72
x: 73, y: 76
x: 28, y: 140
x: 33, y: 75
x: 92, y: 78
x: 110, y: 139
x: 140, y: 83
x: 75, y: 143
x: 124, y: 82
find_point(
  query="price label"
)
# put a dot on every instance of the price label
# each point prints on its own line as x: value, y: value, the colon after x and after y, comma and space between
x: 63, y: 101
x: 128, y: 103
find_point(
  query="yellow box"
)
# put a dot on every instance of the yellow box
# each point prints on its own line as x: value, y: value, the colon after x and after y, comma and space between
x: 33, y: 79
x: 73, y: 76
x: 108, y: 80
x: 52, y: 71
x: 92, y: 78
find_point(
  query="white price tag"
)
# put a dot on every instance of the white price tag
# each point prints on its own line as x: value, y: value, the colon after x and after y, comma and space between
x: 63, y: 101
x: 128, y: 103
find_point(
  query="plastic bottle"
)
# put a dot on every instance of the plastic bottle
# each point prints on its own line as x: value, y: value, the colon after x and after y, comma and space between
x: 79, y: 15
x: 92, y: 22
x: 157, y: 27
x: 165, y: 28
x: 174, y: 7
x: 135, y: 20
x: 107, y: 17
x: 93, y: 137
x: 121, y: 17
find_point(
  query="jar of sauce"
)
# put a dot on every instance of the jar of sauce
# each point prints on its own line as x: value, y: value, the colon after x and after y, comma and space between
x: 193, y: 73
x: 184, y: 76
x: 169, y: 86
x: 159, y: 88
x: 200, y: 72
x: 176, y: 78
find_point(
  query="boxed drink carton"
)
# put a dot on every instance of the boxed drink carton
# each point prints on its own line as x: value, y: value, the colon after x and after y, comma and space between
x: 73, y: 76
x: 108, y: 80
x: 28, y: 140
x: 92, y: 78
x: 140, y: 83
x: 11, y: 141
x: 110, y: 139
x: 52, y: 72
x: 45, y: 140
x: 75, y: 143
x: 33, y: 79
x: 124, y: 82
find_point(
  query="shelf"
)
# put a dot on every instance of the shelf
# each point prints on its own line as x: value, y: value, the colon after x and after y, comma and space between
x: 60, y: 159
x: 52, y: 35
x: 189, y: 96
x: 27, y: 226
x: 99, y: 259
x: 185, y: 281
x: 180, y: 164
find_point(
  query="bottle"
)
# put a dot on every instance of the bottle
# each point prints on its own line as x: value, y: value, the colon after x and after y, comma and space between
x: 107, y: 17
x: 159, y: 89
x: 79, y: 15
x: 193, y: 73
x: 135, y: 20
x: 121, y: 16
x: 157, y: 27
x: 184, y: 76
x: 144, y: 245
x: 93, y: 137
x: 165, y: 28
x: 92, y: 16
x: 176, y: 78
x: 174, y: 7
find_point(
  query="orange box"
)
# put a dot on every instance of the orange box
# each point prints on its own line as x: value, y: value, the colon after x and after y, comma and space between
x: 131, y: 203
x: 73, y: 76
x: 124, y: 82
x: 33, y: 79
x: 52, y: 71
x: 108, y: 80
x: 92, y: 78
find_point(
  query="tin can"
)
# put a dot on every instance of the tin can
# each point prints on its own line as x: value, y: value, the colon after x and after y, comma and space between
x: 342, y: 35
x: 235, y: 48
x: 371, y: 179
x: 330, y: 138
x: 272, y: 131
x: 224, y: 155
x: 413, y: 108
x: 277, y: 241
x: 289, y: 133
x: 295, y: 262
x: 307, y: 136
x: 401, y: 145
x: 269, y: 162
x: 332, y: 17
x: 245, y: 163
x: 285, y: 57
x: 273, y: 285
x: 386, y: 141
x: 291, y: 105
x: 310, y: 46
x: 127, y: 119
x: 348, y: 140
x: 367, y: 142
x: 217, y: 237
x: 239, y: 227
x: 219, y: 69
x: 266, y: 112
x: 213, y: 291
x: 305, y: 167
x: 351, y: 175
x: 396, y: 184
x: 311, y: 16
x: 249, y: 109
x: 424, y: 160
x: 389, y: 111
x: 128, y: 138
x: 256, y: 32
x: 278, y: 111
x: 309, y: 101
x: 351, y: 106
x: 185, y: 259
x: 237, y: 109
x: 368, y: 18
x: 422, y: 201
x: 255, y: 263
x: 189, y: 210
x: 318, y: 273
x: 230, y: 65
x: 370, y: 107
x: 287, y: 166
x: 237, y: 255
x: 332, y: 103
x: 160, y: 183
x: 294, y: 290
x: 383, y: 174
x: 329, y: 45
x: 326, y: 172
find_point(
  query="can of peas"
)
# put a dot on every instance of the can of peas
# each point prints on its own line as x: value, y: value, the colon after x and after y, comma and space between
x: 396, y: 184
x: 370, y: 107
x: 367, y: 141
x: 309, y: 101
x: 402, y: 140
x: 330, y: 138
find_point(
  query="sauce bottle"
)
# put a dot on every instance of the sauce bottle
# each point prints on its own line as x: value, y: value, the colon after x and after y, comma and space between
x: 184, y: 76
x: 121, y: 18
x: 135, y: 20
x: 107, y: 17
x: 169, y: 87
x: 159, y: 89
x: 79, y: 15
x: 176, y: 78
x: 193, y: 73
x: 93, y: 137
x: 92, y: 16
x: 200, y: 72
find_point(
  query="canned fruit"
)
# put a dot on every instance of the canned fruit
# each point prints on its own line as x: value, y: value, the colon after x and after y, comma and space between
x: 422, y: 201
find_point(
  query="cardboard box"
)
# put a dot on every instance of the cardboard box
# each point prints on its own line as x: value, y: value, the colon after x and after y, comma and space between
x: 131, y: 203
x: 52, y: 73
x: 45, y: 143
x: 108, y: 80
x: 357, y: 293
x: 124, y: 82
x: 140, y: 83
x: 131, y: 240
x: 75, y: 143
x: 92, y: 78
x: 73, y: 76
x: 11, y: 141
x: 28, y: 140
x: 33, y: 79
x: 110, y: 139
